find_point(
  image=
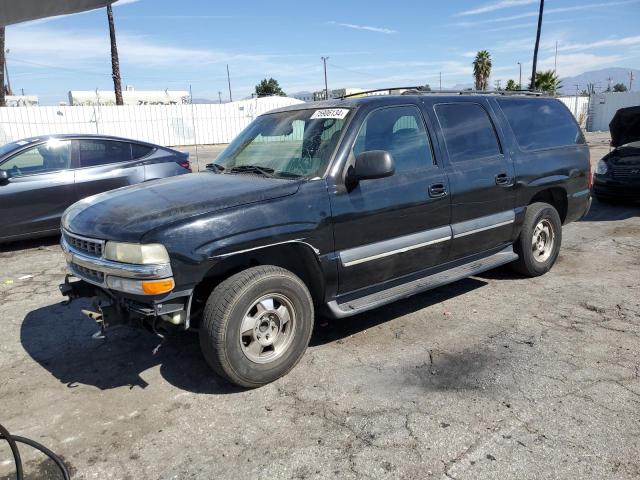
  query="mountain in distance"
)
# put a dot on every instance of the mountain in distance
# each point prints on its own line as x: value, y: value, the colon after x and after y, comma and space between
x: 600, y: 79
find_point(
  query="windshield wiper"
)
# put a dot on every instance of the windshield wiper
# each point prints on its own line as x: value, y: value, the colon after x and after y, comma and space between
x: 265, y: 171
x: 215, y: 167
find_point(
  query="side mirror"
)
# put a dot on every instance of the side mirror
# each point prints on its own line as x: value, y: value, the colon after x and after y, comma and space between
x: 372, y: 164
x: 4, y: 177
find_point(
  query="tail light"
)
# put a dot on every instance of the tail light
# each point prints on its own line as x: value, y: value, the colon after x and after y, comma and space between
x: 184, y: 163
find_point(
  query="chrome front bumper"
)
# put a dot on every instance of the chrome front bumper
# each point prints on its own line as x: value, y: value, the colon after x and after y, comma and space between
x: 95, y: 269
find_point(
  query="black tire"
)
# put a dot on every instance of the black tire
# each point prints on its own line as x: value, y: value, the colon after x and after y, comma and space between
x: 530, y: 264
x: 221, y: 341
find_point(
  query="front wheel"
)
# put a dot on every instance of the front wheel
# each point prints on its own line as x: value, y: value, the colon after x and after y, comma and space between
x: 539, y: 242
x: 257, y: 325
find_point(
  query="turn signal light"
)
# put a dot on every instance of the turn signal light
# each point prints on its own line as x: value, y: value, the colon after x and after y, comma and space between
x: 157, y: 287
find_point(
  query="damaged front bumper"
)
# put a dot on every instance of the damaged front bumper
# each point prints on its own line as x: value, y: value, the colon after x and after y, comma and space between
x: 96, y: 275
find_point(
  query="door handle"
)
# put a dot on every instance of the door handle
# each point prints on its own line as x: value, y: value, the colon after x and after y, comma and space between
x: 437, y: 190
x: 503, y: 180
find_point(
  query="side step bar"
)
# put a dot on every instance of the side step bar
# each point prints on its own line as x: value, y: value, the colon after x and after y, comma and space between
x: 374, y: 300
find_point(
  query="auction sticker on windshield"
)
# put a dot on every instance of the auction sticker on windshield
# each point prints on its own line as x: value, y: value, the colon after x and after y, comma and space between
x: 337, y: 113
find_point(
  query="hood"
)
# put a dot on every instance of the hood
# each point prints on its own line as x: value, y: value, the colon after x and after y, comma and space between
x: 128, y: 213
x: 625, y: 126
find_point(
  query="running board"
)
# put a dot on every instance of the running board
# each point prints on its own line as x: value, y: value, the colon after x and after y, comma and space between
x: 374, y: 300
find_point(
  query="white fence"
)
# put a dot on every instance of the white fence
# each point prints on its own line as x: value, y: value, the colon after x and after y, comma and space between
x: 579, y: 106
x: 605, y: 105
x: 160, y: 124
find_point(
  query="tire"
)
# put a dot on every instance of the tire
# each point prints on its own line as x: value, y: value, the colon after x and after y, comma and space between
x: 534, y: 260
x: 253, y: 300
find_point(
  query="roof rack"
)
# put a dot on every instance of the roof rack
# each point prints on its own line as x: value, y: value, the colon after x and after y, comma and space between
x: 418, y: 91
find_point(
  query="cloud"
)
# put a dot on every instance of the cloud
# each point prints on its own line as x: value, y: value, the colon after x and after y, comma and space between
x: 548, y: 11
x: 575, y: 63
x: 365, y: 27
x: 613, y: 42
x: 499, y: 5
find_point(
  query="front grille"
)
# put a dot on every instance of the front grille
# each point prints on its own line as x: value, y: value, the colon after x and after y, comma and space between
x: 84, y: 245
x: 626, y: 171
x: 87, y: 273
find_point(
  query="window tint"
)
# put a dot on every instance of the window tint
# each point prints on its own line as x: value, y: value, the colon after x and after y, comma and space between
x: 139, y: 151
x: 468, y: 131
x: 540, y: 123
x: 46, y: 157
x: 400, y: 131
x: 103, y: 152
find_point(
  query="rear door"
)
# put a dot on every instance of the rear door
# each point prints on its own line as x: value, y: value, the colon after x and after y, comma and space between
x: 39, y: 189
x: 105, y: 165
x: 481, y: 178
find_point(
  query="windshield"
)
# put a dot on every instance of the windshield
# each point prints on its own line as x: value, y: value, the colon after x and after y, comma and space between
x: 11, y: 146
x: 287, y: 144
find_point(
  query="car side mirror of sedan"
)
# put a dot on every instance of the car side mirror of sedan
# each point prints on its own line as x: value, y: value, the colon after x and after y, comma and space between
x: 4, y: 177
x: 371, y: 165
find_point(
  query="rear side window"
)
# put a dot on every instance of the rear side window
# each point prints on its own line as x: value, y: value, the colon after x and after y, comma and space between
x: 139, y: 151
x: 540, y: 123
x: 468, y: 131
x: 103, y: 152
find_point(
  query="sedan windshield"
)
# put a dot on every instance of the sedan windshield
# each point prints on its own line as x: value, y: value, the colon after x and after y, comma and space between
x: 291, y: 144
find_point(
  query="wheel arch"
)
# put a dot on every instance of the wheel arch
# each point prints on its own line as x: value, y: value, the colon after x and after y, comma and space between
x: 298, y: 257
x: 554, y: 196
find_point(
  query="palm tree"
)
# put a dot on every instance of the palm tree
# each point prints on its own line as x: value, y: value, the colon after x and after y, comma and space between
x: 548, y: 82
x: 482, y: 69
x: 115, y: 63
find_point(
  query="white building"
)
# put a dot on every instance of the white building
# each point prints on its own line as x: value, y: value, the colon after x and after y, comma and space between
x: 130, y: 96
x: 21, y: 100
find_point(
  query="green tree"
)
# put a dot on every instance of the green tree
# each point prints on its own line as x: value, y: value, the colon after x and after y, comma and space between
x: 512, y: 85
x: 548, y: 82
x: 619, y: 87
x: 269, y: 87
x: 425, y: 88
x: 482, y: 69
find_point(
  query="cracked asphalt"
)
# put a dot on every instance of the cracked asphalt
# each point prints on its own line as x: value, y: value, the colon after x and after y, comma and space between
x: 493, y: 377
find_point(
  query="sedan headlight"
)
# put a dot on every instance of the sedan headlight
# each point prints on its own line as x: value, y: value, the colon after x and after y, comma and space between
x: 602, y: 168
x: 141, y: 254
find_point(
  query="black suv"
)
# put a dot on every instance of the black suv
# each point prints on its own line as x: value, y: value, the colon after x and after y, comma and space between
x: 335, y: 207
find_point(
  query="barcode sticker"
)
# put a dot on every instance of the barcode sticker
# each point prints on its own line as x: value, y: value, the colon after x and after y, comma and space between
x: 337, y: 113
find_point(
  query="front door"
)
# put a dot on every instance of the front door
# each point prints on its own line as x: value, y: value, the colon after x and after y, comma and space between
x: 481, y: 177
x: 390, y: 227
x: 39, y: 189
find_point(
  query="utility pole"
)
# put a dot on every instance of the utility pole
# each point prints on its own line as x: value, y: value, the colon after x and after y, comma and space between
x: 609, y: 79
x: 520, y: 77
x: 576, y: 114
x: 498, y: 84
x: 326, y: 85
x: 3, y: 101
x: 115, y: 62
x: 229, y: 82
x: 630, y: 79
x: 219, y: 96
x: 535, y: 50
x: 440, y: 81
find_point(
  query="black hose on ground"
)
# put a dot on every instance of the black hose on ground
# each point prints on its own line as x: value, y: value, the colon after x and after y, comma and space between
x: 13, y: 441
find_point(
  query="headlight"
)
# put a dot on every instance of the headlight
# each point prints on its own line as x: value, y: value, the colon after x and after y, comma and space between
x: 602, y: 167
x: 151, y: 253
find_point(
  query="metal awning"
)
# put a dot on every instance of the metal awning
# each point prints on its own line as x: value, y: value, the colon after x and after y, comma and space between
x: 15, y: 11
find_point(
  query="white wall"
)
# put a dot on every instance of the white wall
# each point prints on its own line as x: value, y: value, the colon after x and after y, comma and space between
x: 160, y: 124
x: 605, y: 105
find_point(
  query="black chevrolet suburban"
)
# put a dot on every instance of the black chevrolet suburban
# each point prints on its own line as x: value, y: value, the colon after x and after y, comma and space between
x: 330, y: 208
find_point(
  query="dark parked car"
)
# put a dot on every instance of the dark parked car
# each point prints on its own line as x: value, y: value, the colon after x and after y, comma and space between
x: 617, y: 175
x: 40, y: 177
x: 336, y: 207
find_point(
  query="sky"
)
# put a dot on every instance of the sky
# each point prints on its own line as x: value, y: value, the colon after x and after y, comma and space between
x: 370, y: 44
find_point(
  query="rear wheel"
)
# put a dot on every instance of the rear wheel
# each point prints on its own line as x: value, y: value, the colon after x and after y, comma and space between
x: 539, y: 242
x: 256, y: 325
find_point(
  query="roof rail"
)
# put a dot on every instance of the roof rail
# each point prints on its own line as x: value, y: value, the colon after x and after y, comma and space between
x: 418, y: 91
